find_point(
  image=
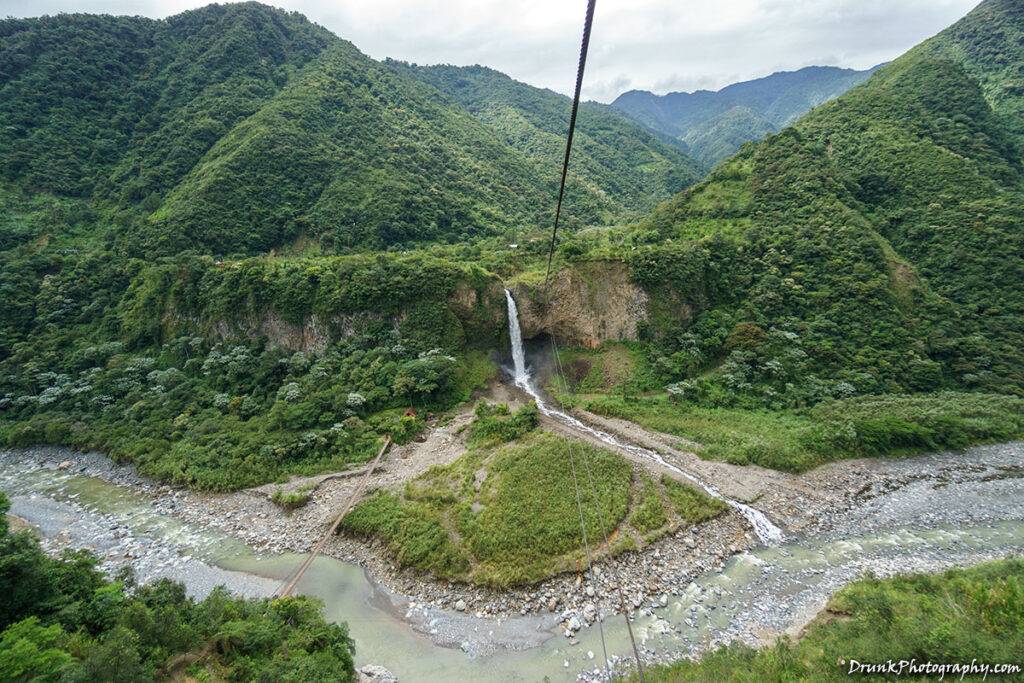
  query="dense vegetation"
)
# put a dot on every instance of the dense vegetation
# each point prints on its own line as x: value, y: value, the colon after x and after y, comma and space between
x: 241, y: 128
x: 636, y: 168
x: 958, y: 617
x: 276, y: 396
x: 505, y: 513
x: 713, y: 125
x: 874, y: 249
x: 796, y: 440
x: 61, y: 619
x: 134, y: 152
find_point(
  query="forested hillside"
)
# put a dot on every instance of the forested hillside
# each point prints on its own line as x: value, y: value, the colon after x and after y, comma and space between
x: 637, y: 168
x: 240, y: 128
x: 713, y: 125
x: 877, y: 246
x: 174, y: 300
x: 885, y: 229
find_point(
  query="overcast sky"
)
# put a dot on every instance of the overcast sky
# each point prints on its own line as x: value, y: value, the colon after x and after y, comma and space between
x: 658, y: 45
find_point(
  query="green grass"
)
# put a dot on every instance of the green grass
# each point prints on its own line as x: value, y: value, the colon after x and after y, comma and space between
x: 692, y: 506
x: 869, y: 426
x: 959, y: 616
x: 293, y: 499
x: 474, y: 371
x: 613, y: 368
x: 649, y: 513
x: 495, y: 424
x: 506, y: 514
x: 773, y: 439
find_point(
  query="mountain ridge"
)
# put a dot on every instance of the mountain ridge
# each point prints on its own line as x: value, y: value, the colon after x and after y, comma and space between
x: 771, y: 103
x: 607, y: 151
x: 186, y: 128
x: 886, y: 224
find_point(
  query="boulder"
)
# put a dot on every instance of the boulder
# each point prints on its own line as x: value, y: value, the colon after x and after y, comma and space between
x: 373, y: 673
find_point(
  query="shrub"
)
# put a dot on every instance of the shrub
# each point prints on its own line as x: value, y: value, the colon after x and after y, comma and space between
x: 291, y: 499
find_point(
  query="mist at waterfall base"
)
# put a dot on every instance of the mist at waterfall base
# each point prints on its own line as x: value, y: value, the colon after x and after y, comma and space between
x: 768, y: 533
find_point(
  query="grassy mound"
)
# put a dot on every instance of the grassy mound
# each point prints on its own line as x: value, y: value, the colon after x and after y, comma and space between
x: 955, y: 617
x: 506, y: 514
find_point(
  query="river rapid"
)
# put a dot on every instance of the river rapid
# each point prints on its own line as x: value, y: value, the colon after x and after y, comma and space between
x: 934, y: 512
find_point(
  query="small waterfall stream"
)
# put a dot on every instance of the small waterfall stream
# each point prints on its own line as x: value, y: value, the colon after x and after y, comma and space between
x: 765, y: 530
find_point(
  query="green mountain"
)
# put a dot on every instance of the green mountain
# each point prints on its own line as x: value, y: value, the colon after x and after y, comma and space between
x: 883, y: 233
x: 241, y: 128
x: 125, y: 107
x: 634, y: 167
x: 713, y: 125
x: 873, y: 248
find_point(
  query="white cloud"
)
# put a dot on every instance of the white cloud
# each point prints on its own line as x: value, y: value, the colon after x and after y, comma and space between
x: 658, y: 45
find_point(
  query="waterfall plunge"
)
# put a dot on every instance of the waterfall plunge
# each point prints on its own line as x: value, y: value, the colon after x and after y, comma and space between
x: 765, y: 530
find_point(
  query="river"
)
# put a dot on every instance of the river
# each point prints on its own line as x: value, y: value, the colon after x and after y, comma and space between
x: 950, y: 509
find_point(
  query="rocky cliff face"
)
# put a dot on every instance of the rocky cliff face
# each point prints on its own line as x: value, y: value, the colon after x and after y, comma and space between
x: 588, y: 304
x: 479, y: 310
x: 313, y: 335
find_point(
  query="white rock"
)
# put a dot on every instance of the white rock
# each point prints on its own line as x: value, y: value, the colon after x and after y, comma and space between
x: 372, y: 673
x: 460, y: 605
x: 659, y: 626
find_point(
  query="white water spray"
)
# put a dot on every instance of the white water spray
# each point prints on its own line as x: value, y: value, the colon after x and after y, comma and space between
x: 765, y: 530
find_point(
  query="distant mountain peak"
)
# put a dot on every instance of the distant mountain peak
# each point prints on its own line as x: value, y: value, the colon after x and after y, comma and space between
x: 773, y: 101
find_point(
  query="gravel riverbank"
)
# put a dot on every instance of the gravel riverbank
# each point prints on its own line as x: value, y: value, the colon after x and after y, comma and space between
x: 850, y: 499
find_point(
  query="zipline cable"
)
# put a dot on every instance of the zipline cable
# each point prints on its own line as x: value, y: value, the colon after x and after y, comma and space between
x: 584, y: 47
x: 590, y: 559
x: 601, y: 520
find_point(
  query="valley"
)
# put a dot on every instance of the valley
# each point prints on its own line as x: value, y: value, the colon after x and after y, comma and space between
x: 922, y: 514
x: 774, y: 359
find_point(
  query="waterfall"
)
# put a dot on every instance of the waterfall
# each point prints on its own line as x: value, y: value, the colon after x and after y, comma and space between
x: 521, y: 377
x: 765, y: 530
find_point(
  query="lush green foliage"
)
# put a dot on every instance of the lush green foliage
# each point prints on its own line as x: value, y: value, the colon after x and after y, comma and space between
x: 223, y: 374
x: 888, y: 425
x: 223, y: 415
x: 241, y: 128
x: 125, y: 106
x: 876, y: 247
x: 713, y: 125
x: 691, y: 505
x: 960, y: 616
x: 495, y: 424
x: 636, y: 168
x: 505, y: 513
x: 62, y: 620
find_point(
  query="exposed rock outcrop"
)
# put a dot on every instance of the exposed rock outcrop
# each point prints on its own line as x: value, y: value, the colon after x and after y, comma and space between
x: 480, y: 311
x: 313, y: 335
x: 589, y: 304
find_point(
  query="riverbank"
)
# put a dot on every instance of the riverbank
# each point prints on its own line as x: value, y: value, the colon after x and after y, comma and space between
x: 250, y: 517
x: 921, y: 514
x: 952, y: 619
